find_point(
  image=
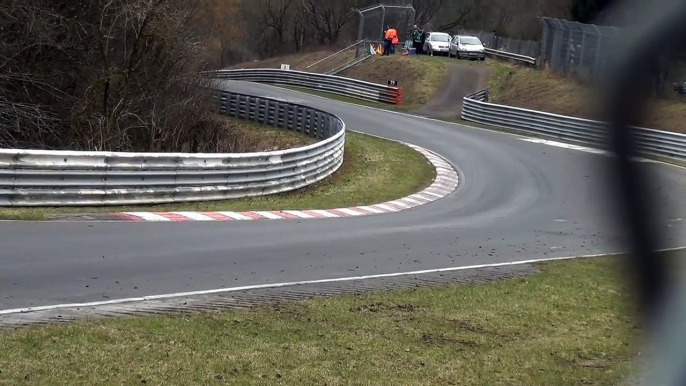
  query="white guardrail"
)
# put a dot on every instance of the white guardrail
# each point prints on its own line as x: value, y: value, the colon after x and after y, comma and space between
x: 347, y: 87
x: 650, y: 142
x: 510, y: 55
x: 75, y: 178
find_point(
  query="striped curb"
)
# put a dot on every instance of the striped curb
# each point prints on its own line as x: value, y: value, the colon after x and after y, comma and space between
x: 445, y: 183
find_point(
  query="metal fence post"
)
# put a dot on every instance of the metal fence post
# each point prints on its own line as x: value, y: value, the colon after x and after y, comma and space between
x: 360, y: 33
x: 383, y: 21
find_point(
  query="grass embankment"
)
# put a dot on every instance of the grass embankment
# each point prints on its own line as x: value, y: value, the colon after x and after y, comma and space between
x: 374, y: 170
x: 570, y: 324
x: 300, y: 62
x: 541, y: 90
x: 245, y: 136
x: 418, y: 77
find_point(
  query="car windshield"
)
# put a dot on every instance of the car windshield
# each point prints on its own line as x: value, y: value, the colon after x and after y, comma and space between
x: 440, y: 38
x: 470, y: 41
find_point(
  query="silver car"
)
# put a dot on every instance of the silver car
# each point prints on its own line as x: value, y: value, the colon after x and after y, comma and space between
x: 467, y: 47
x: 437, y: 43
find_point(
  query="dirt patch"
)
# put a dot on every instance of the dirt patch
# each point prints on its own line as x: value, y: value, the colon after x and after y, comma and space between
x: 460, y: 81
x: 382, y: 307
x: 444, y: 340
x: 544, y: 91
x: 419, y: 79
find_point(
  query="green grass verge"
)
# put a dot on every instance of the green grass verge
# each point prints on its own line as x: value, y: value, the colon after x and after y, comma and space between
x: 572, y: 324
x: 374, y: 170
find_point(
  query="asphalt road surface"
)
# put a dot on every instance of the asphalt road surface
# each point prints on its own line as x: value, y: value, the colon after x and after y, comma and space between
x: 516, y: 200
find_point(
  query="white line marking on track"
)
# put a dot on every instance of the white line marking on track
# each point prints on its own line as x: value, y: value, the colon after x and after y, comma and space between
x: 412, y: 201
x: 421, y: 197
x: 426, y: 191
x: 304, y: 282
x: 324, y: 213
x: 148, y: 216
x: 349, y: 211
x: 298, y: 213
x: 268, y: 215
x: 565, y: 145
x: 386, y: 207
x: 235, y: 215
x: 370, y: 209
x: 195, y: 216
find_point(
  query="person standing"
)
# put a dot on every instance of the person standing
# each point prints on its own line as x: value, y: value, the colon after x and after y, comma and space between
x: 394, y: 40
x: 387, y: 41
x: 417, y: 39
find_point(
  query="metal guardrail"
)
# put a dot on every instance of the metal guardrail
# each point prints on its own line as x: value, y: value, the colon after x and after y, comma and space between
x: 348, y: 87
x: 510, y: 55
x: 584, y: 131
x: 74, y: 178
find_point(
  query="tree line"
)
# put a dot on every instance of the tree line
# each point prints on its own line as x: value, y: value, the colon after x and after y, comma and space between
x: 122, y: 74
x: 268, y: 28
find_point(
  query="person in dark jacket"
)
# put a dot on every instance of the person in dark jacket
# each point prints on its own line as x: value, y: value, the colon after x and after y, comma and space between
x: 417, y: 39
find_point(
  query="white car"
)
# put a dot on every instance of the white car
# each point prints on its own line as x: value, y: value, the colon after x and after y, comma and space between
x: 467, y: 47
x: 437, y: 43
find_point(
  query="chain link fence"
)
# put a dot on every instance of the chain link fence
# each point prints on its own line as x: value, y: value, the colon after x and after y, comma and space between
x: 373, y: 20
x: 572, y: 48
x: 530, y: 48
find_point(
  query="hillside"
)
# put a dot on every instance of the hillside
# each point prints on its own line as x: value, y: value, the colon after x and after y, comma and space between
x: 301, y: 61
x: 418, y: 78
x: 540, y: 90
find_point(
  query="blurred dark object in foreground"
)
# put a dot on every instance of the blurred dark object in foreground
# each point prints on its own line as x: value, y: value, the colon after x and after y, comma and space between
x: 661, y: 28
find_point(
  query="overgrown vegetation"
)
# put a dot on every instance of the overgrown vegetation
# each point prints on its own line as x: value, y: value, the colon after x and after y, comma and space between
x: 573, y: 324
x: 105, y: 75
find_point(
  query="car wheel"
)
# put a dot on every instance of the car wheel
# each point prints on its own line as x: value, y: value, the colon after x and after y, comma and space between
x: 482, y: 59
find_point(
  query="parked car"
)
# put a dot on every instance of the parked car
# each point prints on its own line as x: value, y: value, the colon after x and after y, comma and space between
x: 467, y: 47
x: 437, y: 43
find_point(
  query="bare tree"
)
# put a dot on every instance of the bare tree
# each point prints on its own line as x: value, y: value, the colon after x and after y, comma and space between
x: 106, y: 75
x: 460, y: 14
x: 426, y: 10
x: 275, y: 15
x: 328, y: 17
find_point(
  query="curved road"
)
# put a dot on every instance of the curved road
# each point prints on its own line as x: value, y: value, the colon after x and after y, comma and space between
x: 517, y: 200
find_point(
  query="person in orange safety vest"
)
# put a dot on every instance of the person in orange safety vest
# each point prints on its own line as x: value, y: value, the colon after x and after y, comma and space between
x: 390, y: 40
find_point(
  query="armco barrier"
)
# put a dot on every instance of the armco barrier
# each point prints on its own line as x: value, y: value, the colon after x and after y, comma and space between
x: 510, y: 55
x: 588, y: 132
x: 73, y: 178
x: 348, y: 87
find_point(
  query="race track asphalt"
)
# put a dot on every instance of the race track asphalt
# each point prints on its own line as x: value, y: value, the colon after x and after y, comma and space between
x: 516, y: 200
